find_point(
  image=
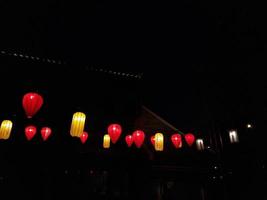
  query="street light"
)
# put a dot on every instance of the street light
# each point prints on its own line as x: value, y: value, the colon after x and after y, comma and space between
x: 249, y: 126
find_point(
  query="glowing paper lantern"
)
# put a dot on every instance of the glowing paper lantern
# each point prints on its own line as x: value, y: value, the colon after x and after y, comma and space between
x: 129, y: 140
x: 30, y: 132
x: 46, y: 132
x: 177, y: 140
x: 32, y: 102
x: 138, y: 138
x: 200, y: 144
x: 233, y: 136
x: 84, y: 137
x: 106, y: 141
x: 5, y: 129
x: 159, y: 142
x: 189, y: 138
x: 114, y: 131
x: 77, y: 124
x: 152, y: 140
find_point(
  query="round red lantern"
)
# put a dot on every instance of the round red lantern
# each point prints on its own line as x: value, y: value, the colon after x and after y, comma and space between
x: 152, y: 140
x: 32, y: 102
x: 30, y: 132
x: 189, y: 138
x: 138, y: 138
x: 114, y: 131
x: 129, y: 140
x: 177, y: 140
x: 46, y: 132
x: 84, y: 137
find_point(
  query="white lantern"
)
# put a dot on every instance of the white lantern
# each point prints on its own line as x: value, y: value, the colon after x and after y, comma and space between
x: 200, y: 144
x: 233, y: 136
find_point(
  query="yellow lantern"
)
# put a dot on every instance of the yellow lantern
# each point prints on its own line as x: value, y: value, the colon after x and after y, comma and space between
x: 159, y: 142
x: 77, y: 124
x: 106, y: 141
x: 5, y: 129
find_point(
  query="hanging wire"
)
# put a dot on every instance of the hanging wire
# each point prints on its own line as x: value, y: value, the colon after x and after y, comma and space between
x: 59, y: 62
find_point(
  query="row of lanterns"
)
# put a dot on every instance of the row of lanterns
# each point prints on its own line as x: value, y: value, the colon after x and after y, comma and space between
x: 32, y: 102
x: 137, y: 137
x: 30, y: 131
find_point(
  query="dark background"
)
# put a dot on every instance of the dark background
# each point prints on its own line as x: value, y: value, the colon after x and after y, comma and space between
x: 203, y: 70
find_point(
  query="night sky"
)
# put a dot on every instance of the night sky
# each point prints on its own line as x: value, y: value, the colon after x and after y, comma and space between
x: 197, y: 58
x: 202, y: 62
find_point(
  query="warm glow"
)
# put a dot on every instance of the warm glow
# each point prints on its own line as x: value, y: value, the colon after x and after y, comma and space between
x: 138, y: 138
x: 233, y: 136
x: 77, y: 124
x: 46, y: 132
x: 5, y: 129
x: 200, y: 144
x: 159, y: 142
x: 190, y: 139
x: 249, y: 126
x: 129, y: 140
x: 106, y: 141
x: 30, y: 132
x: 152, y: 140
x: 84, y: 137
x: 32, y: 102
x: 114, y: 131
x: 176, y: 140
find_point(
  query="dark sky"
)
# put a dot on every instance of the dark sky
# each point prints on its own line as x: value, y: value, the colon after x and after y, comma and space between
x: 200, y: 60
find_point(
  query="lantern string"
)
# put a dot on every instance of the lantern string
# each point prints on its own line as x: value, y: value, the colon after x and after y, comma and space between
x: 59, y: 62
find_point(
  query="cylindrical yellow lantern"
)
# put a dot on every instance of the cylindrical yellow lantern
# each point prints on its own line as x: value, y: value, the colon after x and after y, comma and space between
x: 106, y: 141
x: 5, y: 129
x: 200, y: 144
x: 77, y: 124
x: 159, y: 142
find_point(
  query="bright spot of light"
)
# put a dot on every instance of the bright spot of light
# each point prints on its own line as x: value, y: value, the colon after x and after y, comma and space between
x: 249, y: 126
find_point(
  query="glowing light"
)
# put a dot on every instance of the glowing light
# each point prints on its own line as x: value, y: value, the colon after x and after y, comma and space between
x: 5, y: 129
x: 114, y: 131
x: 249, y: 126
x: 159, y: 142
x: 32, y: 102
x: 233, y: 136
x: 138, y: 138
x: 77, y: 124
x: 106, y: 141
x: 200, y: 144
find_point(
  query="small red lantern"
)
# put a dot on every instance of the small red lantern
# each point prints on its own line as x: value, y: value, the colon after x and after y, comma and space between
x: 129, y: 140
x: 32, y: 102
x: 84, y: 137
x: 177, y: 140
x: 189, y: 138
x: 30, y: 132
x: 138, y: 138
x: 152, y: 140
x: 114, y: 131
x: 46, y: 132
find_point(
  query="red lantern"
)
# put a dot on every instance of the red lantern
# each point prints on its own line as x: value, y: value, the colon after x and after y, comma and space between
x: 189, y: 138
x: 152, y: 140
x: 114, y: 131
x: 177, y: 140
x: 138, y: 138
x: 84, y: 137
x: 30, y: 131
x: 32, y: 102
x: 46, y: 132
x: 129, y: 140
